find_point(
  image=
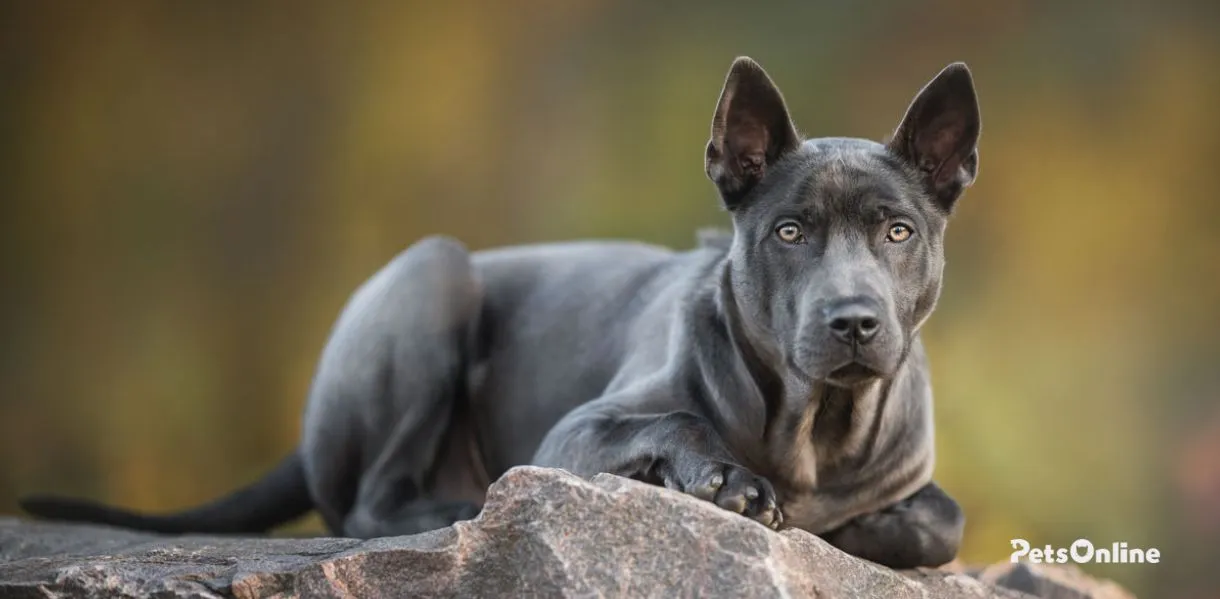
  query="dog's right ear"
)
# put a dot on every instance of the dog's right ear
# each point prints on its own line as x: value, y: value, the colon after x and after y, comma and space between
x: 750, y: 131
x: 939, y: 135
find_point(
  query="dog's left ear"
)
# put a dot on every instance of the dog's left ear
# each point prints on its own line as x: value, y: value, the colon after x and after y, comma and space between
x: 751, y: 130
x: 940, y: 133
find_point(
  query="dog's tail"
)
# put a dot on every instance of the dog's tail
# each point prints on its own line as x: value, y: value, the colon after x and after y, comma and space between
x: 279, y: 496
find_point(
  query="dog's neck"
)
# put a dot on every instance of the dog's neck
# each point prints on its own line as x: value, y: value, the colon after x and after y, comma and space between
x: 810, y: 425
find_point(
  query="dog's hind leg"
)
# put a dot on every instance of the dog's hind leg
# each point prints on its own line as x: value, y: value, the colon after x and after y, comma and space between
x: 384, y: 396
x: 390, y: 500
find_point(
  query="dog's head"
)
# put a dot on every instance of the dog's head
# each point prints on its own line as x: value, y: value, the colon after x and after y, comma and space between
x: 837, y: 250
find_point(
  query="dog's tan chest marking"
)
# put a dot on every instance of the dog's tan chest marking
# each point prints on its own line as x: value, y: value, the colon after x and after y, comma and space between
x: 829, y: 470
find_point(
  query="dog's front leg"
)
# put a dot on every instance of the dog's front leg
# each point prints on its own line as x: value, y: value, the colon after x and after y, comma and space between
x: 677, y: 449
x: 924, y: 529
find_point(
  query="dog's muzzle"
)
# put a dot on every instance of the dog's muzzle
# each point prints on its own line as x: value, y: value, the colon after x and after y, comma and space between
x: 853, y: 321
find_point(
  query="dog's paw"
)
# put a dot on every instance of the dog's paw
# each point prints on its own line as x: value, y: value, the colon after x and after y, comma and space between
x: 731, y: 487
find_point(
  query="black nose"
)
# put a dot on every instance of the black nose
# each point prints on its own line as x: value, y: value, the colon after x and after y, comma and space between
x: 853, y: 322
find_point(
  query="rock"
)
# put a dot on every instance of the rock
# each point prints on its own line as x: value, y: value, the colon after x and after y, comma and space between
x: 542, y: 533
x: 1052, y: 581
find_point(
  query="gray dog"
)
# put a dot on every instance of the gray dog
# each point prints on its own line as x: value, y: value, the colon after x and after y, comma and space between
x: 776, y: 372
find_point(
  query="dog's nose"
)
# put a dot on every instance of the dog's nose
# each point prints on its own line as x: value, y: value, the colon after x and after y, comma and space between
x: 853, y: 322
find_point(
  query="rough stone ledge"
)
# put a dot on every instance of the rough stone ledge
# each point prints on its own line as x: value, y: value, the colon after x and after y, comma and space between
x: 542, y: 533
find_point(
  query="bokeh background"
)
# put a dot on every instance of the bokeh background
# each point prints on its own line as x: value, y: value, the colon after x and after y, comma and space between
x: 190, y: 191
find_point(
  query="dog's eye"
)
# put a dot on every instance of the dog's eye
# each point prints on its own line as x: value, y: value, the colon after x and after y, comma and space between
x: 899, y: 233
x: 790, y: 233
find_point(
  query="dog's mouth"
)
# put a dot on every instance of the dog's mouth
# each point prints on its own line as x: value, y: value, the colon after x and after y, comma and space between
x: 852, y: 374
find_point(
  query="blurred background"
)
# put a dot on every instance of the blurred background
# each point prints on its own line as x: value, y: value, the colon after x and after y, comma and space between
x: 190, y: 191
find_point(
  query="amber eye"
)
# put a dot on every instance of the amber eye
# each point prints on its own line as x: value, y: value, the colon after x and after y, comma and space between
x: 790, y: 233
x: 899, y: 233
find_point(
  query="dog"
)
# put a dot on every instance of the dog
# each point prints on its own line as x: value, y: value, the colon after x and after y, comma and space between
x: 775, y: 371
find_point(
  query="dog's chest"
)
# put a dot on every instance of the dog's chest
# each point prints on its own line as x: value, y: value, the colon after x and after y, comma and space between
x: 844, y: 456
x: 828, y: 428
x: 836, y: 500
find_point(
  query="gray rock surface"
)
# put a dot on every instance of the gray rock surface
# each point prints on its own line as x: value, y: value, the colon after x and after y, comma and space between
x: 542, y: 533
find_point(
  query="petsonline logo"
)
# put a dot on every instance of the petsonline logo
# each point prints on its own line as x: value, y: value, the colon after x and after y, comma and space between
x: 1082, y: 551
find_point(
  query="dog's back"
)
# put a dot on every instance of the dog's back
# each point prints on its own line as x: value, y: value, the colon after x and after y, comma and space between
x: 714, y: 238
x: 560, y: 321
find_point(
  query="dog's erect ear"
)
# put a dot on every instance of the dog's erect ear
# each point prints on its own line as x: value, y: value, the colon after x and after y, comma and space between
x: 750, y: 131
x: 940, y: 133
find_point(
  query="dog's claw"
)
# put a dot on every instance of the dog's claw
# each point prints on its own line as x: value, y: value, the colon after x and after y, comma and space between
x: 732, y: 488
x: 735, y: 503
x: 704, y: 493
x: 771, y: 516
